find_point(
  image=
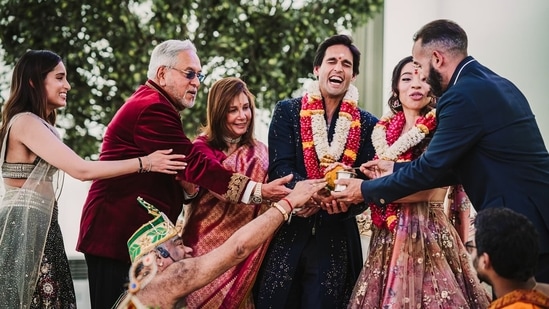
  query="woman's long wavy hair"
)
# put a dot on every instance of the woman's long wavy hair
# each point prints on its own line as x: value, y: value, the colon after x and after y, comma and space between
x: 27, y: 92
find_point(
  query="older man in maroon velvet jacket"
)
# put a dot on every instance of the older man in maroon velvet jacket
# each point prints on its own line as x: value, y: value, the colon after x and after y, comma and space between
x: 150, y: 120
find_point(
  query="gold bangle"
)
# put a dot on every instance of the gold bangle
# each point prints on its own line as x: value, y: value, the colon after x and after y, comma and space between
x: 282, y: 211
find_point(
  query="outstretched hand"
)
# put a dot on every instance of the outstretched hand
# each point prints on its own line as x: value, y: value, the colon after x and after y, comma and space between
x: 163, y: 161
x: 334, y: 165
x: 303, y: 191
x: 276, y: 189
x: 377, y: 168
x: 352, y: 193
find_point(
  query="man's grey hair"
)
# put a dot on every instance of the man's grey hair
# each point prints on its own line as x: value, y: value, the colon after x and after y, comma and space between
x: 165, y: 54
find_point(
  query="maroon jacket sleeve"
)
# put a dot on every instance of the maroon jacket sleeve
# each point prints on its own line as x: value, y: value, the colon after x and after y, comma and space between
x: 201, y: 145
x: 159, y: 127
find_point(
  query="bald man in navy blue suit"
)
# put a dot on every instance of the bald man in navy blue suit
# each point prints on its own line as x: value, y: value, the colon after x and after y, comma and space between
x: 487, y: 139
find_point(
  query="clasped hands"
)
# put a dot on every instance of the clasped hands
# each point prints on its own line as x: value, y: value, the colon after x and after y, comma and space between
x: 352, y: 194
x: 331, y: 201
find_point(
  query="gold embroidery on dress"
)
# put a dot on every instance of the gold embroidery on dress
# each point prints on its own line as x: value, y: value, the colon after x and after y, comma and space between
x: 236, y: 187
x: 364, y: 221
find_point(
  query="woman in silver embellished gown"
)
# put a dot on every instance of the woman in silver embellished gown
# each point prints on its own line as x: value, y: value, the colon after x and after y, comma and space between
x: 34, y: 267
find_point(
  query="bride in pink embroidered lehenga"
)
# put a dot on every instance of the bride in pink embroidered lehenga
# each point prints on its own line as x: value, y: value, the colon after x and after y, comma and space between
x: 209, y: 221
x: 416, y: 259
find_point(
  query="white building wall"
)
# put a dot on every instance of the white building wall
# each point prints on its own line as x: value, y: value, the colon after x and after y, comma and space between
x: 70, y: 203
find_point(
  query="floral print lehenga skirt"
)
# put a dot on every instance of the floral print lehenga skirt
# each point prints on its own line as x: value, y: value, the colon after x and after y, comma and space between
x: 421, y: 264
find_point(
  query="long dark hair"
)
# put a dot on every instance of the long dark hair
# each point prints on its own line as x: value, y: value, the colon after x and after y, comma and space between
x: 27, y: 92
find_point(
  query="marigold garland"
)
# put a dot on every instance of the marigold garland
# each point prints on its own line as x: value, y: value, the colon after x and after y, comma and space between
x: 317, y: 151
x: 391, y: 144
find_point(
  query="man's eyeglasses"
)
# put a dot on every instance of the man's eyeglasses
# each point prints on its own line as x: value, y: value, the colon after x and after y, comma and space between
x: 190, y: 75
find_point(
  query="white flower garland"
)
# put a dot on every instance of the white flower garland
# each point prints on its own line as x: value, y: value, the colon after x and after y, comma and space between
x: 406, y: 141
x: 318, y: 125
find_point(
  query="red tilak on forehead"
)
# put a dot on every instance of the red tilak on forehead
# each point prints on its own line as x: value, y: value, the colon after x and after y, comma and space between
x: 415, y: 71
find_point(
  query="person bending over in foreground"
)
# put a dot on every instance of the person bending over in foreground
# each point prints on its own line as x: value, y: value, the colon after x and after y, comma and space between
x: 163, y: 270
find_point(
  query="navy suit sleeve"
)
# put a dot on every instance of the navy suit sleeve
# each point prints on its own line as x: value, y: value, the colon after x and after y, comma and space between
x: 459, y: 128
x: 447, y: 179
x: 285, y: 142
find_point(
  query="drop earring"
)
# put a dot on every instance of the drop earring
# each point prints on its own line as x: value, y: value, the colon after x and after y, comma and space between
x: 396, y: 104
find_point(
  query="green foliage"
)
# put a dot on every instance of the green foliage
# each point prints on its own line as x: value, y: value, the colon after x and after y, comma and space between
x: 106, y: 46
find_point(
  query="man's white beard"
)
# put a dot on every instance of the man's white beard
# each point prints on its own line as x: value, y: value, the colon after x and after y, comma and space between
x: 188, y: 103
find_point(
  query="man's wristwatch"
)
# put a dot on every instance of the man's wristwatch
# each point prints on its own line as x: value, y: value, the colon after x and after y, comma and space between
x: 256, y: 196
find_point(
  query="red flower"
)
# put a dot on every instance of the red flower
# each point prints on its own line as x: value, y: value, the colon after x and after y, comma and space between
x: 387, y: 217
x: 312, y: 103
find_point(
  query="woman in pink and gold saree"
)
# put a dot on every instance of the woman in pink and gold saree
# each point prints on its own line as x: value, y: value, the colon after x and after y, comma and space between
x: 209, y: 221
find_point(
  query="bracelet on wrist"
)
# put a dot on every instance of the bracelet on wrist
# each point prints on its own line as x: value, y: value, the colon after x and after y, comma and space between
x: 191, y: 195
x: 150, y: 163
x: 144, y: 169
x: 289, y: 204
x: 140, y: 170
x: 282, y: 210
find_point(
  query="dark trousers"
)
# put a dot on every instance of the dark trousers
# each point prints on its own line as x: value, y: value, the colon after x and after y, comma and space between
x: 542, y: 274
x: 308, y: 291
x: 107, y: 279
x: 305, y: 289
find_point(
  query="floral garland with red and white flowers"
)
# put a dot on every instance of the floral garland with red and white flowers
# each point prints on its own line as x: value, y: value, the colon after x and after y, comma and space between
x: 391, y: 144
x: 318, y: 153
